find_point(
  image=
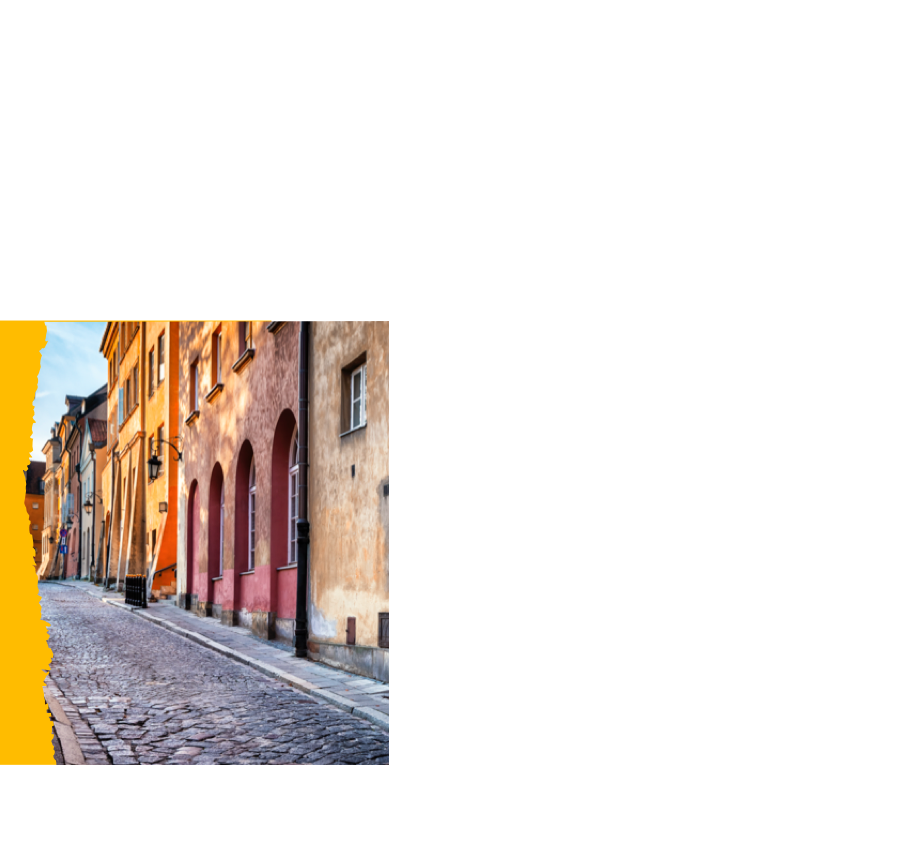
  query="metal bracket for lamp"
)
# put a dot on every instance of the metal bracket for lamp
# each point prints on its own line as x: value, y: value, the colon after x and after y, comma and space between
x: 88, y: 504
x: 155, y: 463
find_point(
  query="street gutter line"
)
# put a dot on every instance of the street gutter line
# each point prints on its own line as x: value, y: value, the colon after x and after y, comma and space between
x: 375, y: 717
x: 73, y: 738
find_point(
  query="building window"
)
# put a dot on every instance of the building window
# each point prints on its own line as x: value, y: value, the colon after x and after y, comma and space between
x: 121, y: 405
x: 194, y: 390
x: 151, y: 374
x: 151, y: 448
x: 160, y: 437
x: 160, y: 348
x: 245, y: 331
x: 128, y: 395
x: 135, y: 387
x: 354, y: 403
x: 252, y: 517
x: 34, y: 526
x: 293, y: 514
x: 216, y: 357
x: 358, y: 386
x: 34, y: 505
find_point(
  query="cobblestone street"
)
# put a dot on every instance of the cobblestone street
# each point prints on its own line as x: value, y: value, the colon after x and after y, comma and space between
x: 150, y: 696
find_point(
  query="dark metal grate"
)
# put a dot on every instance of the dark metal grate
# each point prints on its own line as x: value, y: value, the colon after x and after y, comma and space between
x: 383, y: 630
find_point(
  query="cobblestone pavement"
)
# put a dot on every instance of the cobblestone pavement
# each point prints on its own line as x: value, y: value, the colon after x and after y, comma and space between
x: 150, y: 696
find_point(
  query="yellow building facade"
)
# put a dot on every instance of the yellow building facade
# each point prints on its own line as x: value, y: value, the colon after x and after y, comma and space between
x: 142, y: 520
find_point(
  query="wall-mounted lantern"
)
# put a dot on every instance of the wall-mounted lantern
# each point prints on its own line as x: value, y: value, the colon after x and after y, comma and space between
x: 89, y: 502
x: 155, y: 463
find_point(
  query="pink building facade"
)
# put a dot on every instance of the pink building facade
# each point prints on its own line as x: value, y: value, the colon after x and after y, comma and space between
x: 285, y: 485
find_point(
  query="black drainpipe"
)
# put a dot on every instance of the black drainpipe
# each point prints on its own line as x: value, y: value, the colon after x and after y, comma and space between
x: 301, y: 625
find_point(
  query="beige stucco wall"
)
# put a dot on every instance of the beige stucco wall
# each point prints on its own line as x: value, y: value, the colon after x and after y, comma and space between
x: 349, y: 516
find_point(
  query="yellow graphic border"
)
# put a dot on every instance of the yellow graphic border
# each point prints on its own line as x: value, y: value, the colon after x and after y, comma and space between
x: 26, y: 735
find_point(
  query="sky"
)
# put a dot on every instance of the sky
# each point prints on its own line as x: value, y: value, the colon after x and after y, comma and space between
x: 71, y: 363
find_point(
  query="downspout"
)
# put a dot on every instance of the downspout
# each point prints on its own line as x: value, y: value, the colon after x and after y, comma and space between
x: 80, y: 504
x: 301, y: 622
x: 111, y: 521
x: 132, y: 490
x: 93, y: 469
x: 80, y: 499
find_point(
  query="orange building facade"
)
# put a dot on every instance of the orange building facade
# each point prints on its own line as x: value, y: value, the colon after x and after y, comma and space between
x: 141, y: 519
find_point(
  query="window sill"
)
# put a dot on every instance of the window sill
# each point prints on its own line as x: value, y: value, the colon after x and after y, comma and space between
x: 216, y: 579
x: 244, y: 573
x: 289, y: 567
x: 216, y: 390
x: 192, y: 417
x: 275, y: 327
x: 243, y: 360
x: 357, y: 429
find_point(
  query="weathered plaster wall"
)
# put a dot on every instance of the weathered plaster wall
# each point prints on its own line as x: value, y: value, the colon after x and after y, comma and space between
x: 162, y: 410
x: 348, y: 514
x: 247, y: 409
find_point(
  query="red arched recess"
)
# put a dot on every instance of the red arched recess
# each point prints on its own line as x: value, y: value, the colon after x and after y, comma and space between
x: 280, y: 487
x: 193, y: 526
x: 241, y: 520
x: 216, y: 486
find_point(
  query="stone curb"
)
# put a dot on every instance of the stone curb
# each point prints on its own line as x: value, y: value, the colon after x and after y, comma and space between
x: 375, y: 717
x: 79, y: 745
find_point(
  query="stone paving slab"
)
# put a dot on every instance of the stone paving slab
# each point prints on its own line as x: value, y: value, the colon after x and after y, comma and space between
x: 341, y: 689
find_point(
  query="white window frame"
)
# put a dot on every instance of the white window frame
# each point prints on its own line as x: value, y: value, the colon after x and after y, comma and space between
x: 252, y: 516
x: 293, y: 506
x: 361, y: 398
